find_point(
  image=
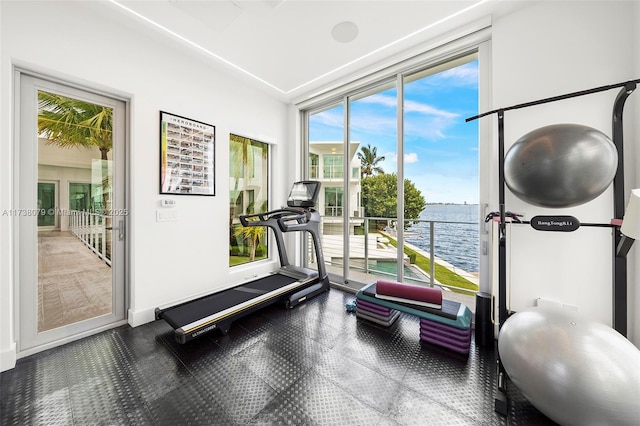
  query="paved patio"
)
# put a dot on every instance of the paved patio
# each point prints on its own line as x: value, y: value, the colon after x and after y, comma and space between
x: 73, y: 283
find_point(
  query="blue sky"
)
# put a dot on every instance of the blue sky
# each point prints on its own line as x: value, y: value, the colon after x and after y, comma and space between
x: 441, y: 149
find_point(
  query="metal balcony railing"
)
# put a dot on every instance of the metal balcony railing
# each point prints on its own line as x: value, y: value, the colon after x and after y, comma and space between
x: 372, y: 249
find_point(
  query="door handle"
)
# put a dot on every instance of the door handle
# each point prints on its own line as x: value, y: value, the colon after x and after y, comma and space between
x: 119, y: 228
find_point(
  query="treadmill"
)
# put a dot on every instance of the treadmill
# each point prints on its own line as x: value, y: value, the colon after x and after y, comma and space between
x: 289, y: 285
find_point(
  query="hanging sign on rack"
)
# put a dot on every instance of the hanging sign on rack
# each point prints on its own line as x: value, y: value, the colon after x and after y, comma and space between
x: 555, y: 223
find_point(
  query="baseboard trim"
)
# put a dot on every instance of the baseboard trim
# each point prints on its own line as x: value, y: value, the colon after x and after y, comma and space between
x: 8, y: 358
x: 143, y: 316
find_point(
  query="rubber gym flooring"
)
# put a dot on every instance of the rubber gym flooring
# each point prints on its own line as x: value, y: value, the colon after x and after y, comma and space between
x: 315, y: 364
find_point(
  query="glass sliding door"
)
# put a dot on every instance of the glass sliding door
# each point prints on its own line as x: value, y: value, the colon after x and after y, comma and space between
x: 79, y: 196
x: 440, y: 163
x: 373, y: 183
x: 400, y: 172
x: 326, y: 152
x: 47, y: 204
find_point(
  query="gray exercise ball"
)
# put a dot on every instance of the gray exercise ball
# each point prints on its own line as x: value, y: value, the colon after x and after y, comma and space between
x: 574, y: 370
x: 561, y: 165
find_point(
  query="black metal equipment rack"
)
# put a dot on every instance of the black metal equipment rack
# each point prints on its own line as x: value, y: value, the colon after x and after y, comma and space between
x: 619, y: 320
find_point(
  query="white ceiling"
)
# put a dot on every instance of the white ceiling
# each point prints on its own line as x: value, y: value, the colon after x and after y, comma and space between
x: 286, y: 46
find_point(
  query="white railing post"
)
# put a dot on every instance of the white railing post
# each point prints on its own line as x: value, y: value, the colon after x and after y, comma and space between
x: 103, y: 238
x: 83, y: 229
x: 432, y: 264
x: 366, y: 245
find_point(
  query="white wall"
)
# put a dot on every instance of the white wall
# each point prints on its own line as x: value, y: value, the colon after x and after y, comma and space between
x: 633, y: 262
x: 169, y: 260
x: 548, y: 49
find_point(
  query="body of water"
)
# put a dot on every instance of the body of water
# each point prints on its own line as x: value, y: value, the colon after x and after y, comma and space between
x: 457, y: 243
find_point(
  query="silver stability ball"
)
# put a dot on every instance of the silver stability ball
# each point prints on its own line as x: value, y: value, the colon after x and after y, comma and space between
x: 561, y: 165
x: 573, y: 369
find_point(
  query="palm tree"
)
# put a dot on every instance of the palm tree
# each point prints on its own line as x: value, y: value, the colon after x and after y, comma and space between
x: 369, y: 161
x: 241, y: 163
x: 68, y: 123
x: 254, y: 234
x: 242, y: 167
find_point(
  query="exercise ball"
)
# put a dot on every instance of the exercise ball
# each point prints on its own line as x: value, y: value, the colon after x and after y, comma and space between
x: 574, y: 370
x: 561, y: 165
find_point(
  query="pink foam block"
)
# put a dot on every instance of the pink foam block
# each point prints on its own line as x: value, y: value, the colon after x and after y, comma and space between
x: 409, y: 292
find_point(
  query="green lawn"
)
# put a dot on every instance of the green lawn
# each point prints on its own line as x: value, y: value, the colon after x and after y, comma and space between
x: 239, y: 260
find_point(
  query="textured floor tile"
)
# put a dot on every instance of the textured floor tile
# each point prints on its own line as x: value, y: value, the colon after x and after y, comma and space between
x: 365, y: 384
x: 459, y: 382
x: 379, y: 350
x: 237, y: 339
x: 521, y: 412
x: 313, y: 364
x: 36, y: 391
x: 187, y: 406
x: 239, y: 392
x: 328, y: 404
x: 281, y: 411
x: 276, y: 371
x: 296, y: 348
x: 412, y: 408
x: 102, y: 389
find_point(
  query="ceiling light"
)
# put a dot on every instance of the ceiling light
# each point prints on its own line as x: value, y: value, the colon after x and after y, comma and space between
x: 345, y: 32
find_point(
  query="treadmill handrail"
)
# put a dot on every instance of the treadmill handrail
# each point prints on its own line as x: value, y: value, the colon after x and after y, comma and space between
x: 265, y: 217
x: 301, y: 221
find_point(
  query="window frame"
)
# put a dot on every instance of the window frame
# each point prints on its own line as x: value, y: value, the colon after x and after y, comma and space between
x: 472, y: 39
x: 247, y: 194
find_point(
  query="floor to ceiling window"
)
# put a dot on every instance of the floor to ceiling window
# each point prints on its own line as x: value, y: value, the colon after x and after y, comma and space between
x: 373, y: 126
x: 441, y: 162
x: 326, y: 164
x: 399, y: 168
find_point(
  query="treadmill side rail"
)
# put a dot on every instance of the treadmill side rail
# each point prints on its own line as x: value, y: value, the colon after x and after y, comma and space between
x: 217, y: 320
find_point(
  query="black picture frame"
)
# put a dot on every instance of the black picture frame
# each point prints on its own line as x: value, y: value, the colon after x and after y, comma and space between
x: 187, y: 156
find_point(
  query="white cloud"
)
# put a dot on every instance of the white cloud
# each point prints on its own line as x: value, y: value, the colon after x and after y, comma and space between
x: 329, y: 118
x: 409, y: 106
x: 412, y: 106
x: 464, y: 75
x: 430, y: 122
x: 375, y: 123
x: 388, y: 101
x: 411, y: 157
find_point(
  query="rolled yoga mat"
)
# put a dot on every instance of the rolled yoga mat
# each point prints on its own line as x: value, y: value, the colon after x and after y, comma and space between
x: 398, y: 292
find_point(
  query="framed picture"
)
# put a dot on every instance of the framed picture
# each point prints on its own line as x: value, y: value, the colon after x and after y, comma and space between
x: 187, y: 156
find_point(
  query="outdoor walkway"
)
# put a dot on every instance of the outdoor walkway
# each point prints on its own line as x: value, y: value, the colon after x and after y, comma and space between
x: 73, y: 283
x: 377, y: 248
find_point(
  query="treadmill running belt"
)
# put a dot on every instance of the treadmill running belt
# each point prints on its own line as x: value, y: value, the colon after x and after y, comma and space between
x: 197, y: 309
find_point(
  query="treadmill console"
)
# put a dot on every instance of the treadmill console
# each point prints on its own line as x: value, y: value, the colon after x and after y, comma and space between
x: 304, y: 194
